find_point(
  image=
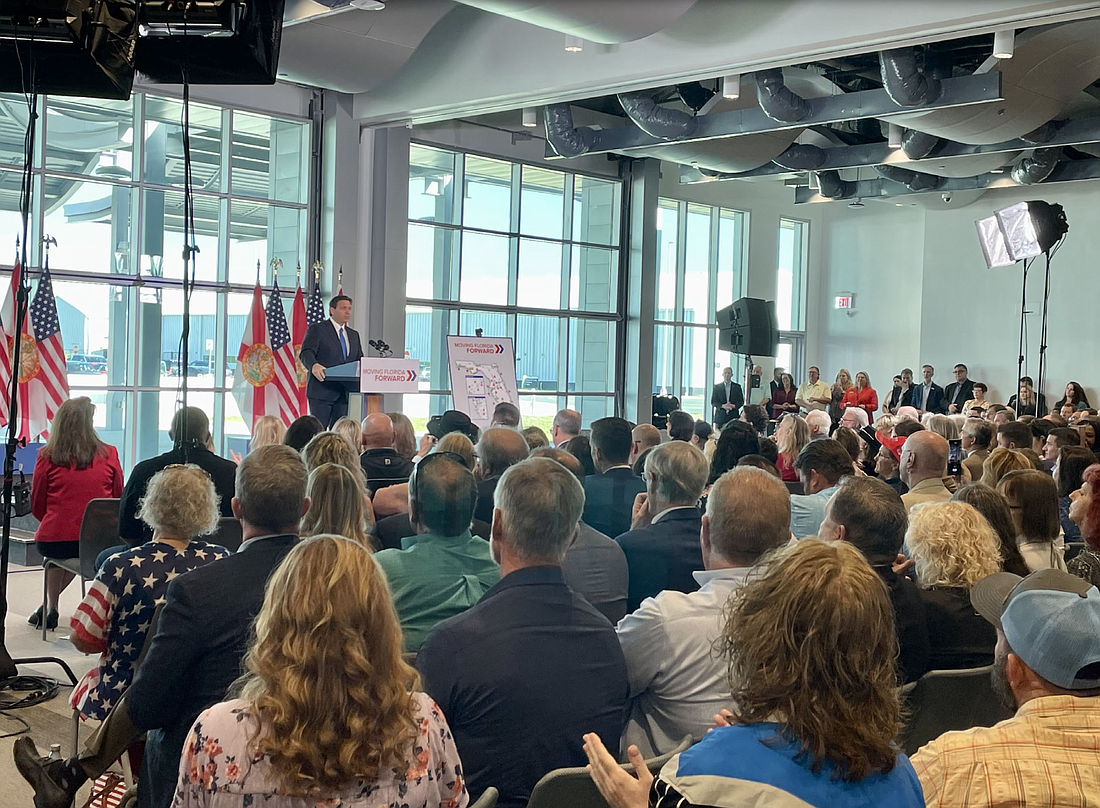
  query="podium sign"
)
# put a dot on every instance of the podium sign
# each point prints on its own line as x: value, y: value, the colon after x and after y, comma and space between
x: 378, y: 375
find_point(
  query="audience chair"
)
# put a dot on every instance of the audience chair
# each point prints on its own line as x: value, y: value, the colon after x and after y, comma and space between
x: 1072, y: 549
x: 487, y: 800
x: 98, y: 531
x: 228, y: 534
x: 794, y: 488
x: 574, y: 787
x: 943, y: 701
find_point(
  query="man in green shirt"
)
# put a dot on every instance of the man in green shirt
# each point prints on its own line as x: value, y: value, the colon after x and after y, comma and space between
x: 443, y: 570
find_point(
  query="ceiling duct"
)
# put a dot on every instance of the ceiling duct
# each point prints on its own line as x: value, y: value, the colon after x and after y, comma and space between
x: 1050, y: 68
x: 608, y: 22
x: 801, y: 157
x: 1033, y: 170
x: 918, y: 145
x: 653, y: 119
x: 1042, y: 134
x: 905, y: 83
x: 567, y: 139
x: 833, y: 187
x: 778, y: 101
x: 913, y: 180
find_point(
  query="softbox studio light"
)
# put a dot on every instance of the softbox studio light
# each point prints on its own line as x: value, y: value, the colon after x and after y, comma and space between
x: 1031, y: 228
x: 69, y: 47
x: 992, y: 239
x: 215, y: 41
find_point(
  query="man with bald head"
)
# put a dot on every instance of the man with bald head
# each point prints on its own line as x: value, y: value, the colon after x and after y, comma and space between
x: 923, y: 466
x: 595, y: 566
x: 644, y: 436
x: 499, y: 449
x: 677, y: 682
x: 381, y: 463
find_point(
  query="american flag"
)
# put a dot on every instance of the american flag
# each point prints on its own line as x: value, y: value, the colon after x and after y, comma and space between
x: 286, y: 368
x: 51, y: 350
x: 315, y: 309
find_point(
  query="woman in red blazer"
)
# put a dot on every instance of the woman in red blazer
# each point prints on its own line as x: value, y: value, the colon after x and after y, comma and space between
x: 861, y: 395
x: 73, y: 468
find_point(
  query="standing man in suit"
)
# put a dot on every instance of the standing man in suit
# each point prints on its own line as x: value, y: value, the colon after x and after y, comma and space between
x: 959, y: 391
x: 609, y: 493
x: 727, y: 399
x: 330, y: 342
x: 928, y: 396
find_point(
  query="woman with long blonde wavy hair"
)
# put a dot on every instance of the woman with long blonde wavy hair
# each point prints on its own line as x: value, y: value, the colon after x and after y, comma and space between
x: 328, y: 709
x: 953, y: 546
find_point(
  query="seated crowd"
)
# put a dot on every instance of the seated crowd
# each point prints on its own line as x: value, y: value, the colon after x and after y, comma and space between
x: 413, y: 623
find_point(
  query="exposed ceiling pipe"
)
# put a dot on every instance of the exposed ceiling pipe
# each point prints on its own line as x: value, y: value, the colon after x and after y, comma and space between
x: 567, y: 139
x: 801, y: 157
x: 833, y: 187
x: 905, y: 83
x: 778, y: 101
x: 1042, y: 134
x: 1038, y: 167
x: 655, y: 120
x: 913, y: 180
x: 918, y: 145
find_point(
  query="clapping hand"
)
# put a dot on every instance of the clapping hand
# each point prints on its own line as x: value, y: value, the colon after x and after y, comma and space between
x: 618, y: 787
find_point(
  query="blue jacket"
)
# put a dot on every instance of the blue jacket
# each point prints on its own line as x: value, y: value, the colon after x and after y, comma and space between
x: 663, y: 555
x: 609, y: 500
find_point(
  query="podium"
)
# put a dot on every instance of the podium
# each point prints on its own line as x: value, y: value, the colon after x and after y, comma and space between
x: 348, y: 375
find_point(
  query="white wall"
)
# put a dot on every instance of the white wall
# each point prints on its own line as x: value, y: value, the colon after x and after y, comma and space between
x: 924, y: 295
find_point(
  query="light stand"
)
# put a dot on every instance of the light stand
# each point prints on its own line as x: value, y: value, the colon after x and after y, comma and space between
x: 8, y: 669
x: 1023, y: 324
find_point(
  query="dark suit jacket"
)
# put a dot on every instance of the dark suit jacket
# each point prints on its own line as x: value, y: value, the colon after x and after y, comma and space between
x: 223, y: 472
x: 485, y: 491
x: 609, y: 500
x: 718, y: 398
x: 914, y: 645
x: 321, y: 345
x: 965, y: 394
x: 521, y: 676
x: 663, y: 556
x: 195, y: 655
x: 935, y: 398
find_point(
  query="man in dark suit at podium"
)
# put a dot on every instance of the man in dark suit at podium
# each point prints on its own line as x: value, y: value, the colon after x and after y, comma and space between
x: 328, y: 343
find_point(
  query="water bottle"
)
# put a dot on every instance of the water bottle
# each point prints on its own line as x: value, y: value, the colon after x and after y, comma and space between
x: 55, y: 751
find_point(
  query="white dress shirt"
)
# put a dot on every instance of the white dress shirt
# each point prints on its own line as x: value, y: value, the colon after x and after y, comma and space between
x: 677, y: 681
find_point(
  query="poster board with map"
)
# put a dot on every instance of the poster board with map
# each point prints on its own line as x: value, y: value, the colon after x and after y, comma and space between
x: 483, y: 374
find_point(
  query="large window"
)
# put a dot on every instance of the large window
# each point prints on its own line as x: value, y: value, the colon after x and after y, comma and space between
x: 517, y: 251
x: 700, y: 257
x: 108, y: 187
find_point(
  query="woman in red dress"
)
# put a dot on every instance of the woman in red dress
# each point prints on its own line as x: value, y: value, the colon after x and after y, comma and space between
x: 72, y: 469
x: 783, y: 399
x: 861, y: 395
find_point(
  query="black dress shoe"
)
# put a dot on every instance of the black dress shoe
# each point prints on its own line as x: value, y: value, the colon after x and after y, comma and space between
x: 51, y: 619
x: 48, y: 793
x: 36, y: 618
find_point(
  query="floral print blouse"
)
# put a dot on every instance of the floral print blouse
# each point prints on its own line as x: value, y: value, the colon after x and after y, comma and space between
x: 217, y: 769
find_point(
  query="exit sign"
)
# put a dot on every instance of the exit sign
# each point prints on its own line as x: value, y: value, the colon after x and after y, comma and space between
x: 844, y: 301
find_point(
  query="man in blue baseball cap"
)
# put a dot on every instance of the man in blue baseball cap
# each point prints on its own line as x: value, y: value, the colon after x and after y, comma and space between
x: 1047, y: 666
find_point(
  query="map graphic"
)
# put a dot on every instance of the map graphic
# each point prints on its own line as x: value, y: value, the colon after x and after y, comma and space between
x: 483, y: 374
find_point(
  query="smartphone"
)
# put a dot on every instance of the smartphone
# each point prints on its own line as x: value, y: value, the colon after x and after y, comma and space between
x: 954, y: 457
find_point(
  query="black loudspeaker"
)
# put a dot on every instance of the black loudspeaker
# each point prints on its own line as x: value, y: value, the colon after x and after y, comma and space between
x: 249, y: 56
x: 69, y: 47
x: 749, y: 327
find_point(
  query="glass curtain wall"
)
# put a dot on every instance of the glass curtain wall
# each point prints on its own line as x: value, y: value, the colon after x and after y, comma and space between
x: 700, y: 262
x: 108, y: 186
x: 518, y: 251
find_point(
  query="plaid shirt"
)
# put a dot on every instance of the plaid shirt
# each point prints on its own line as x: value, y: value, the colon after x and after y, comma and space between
x: 1047, y: 755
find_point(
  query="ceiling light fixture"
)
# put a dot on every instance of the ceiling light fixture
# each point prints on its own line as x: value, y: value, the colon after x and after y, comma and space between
x: 1004, y: 43
x: 857, y: 203
x: 573, y: 44
x: 894, y: 136
x: 368, y: 5
x: 731, y: 86
x: 530, y: 117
